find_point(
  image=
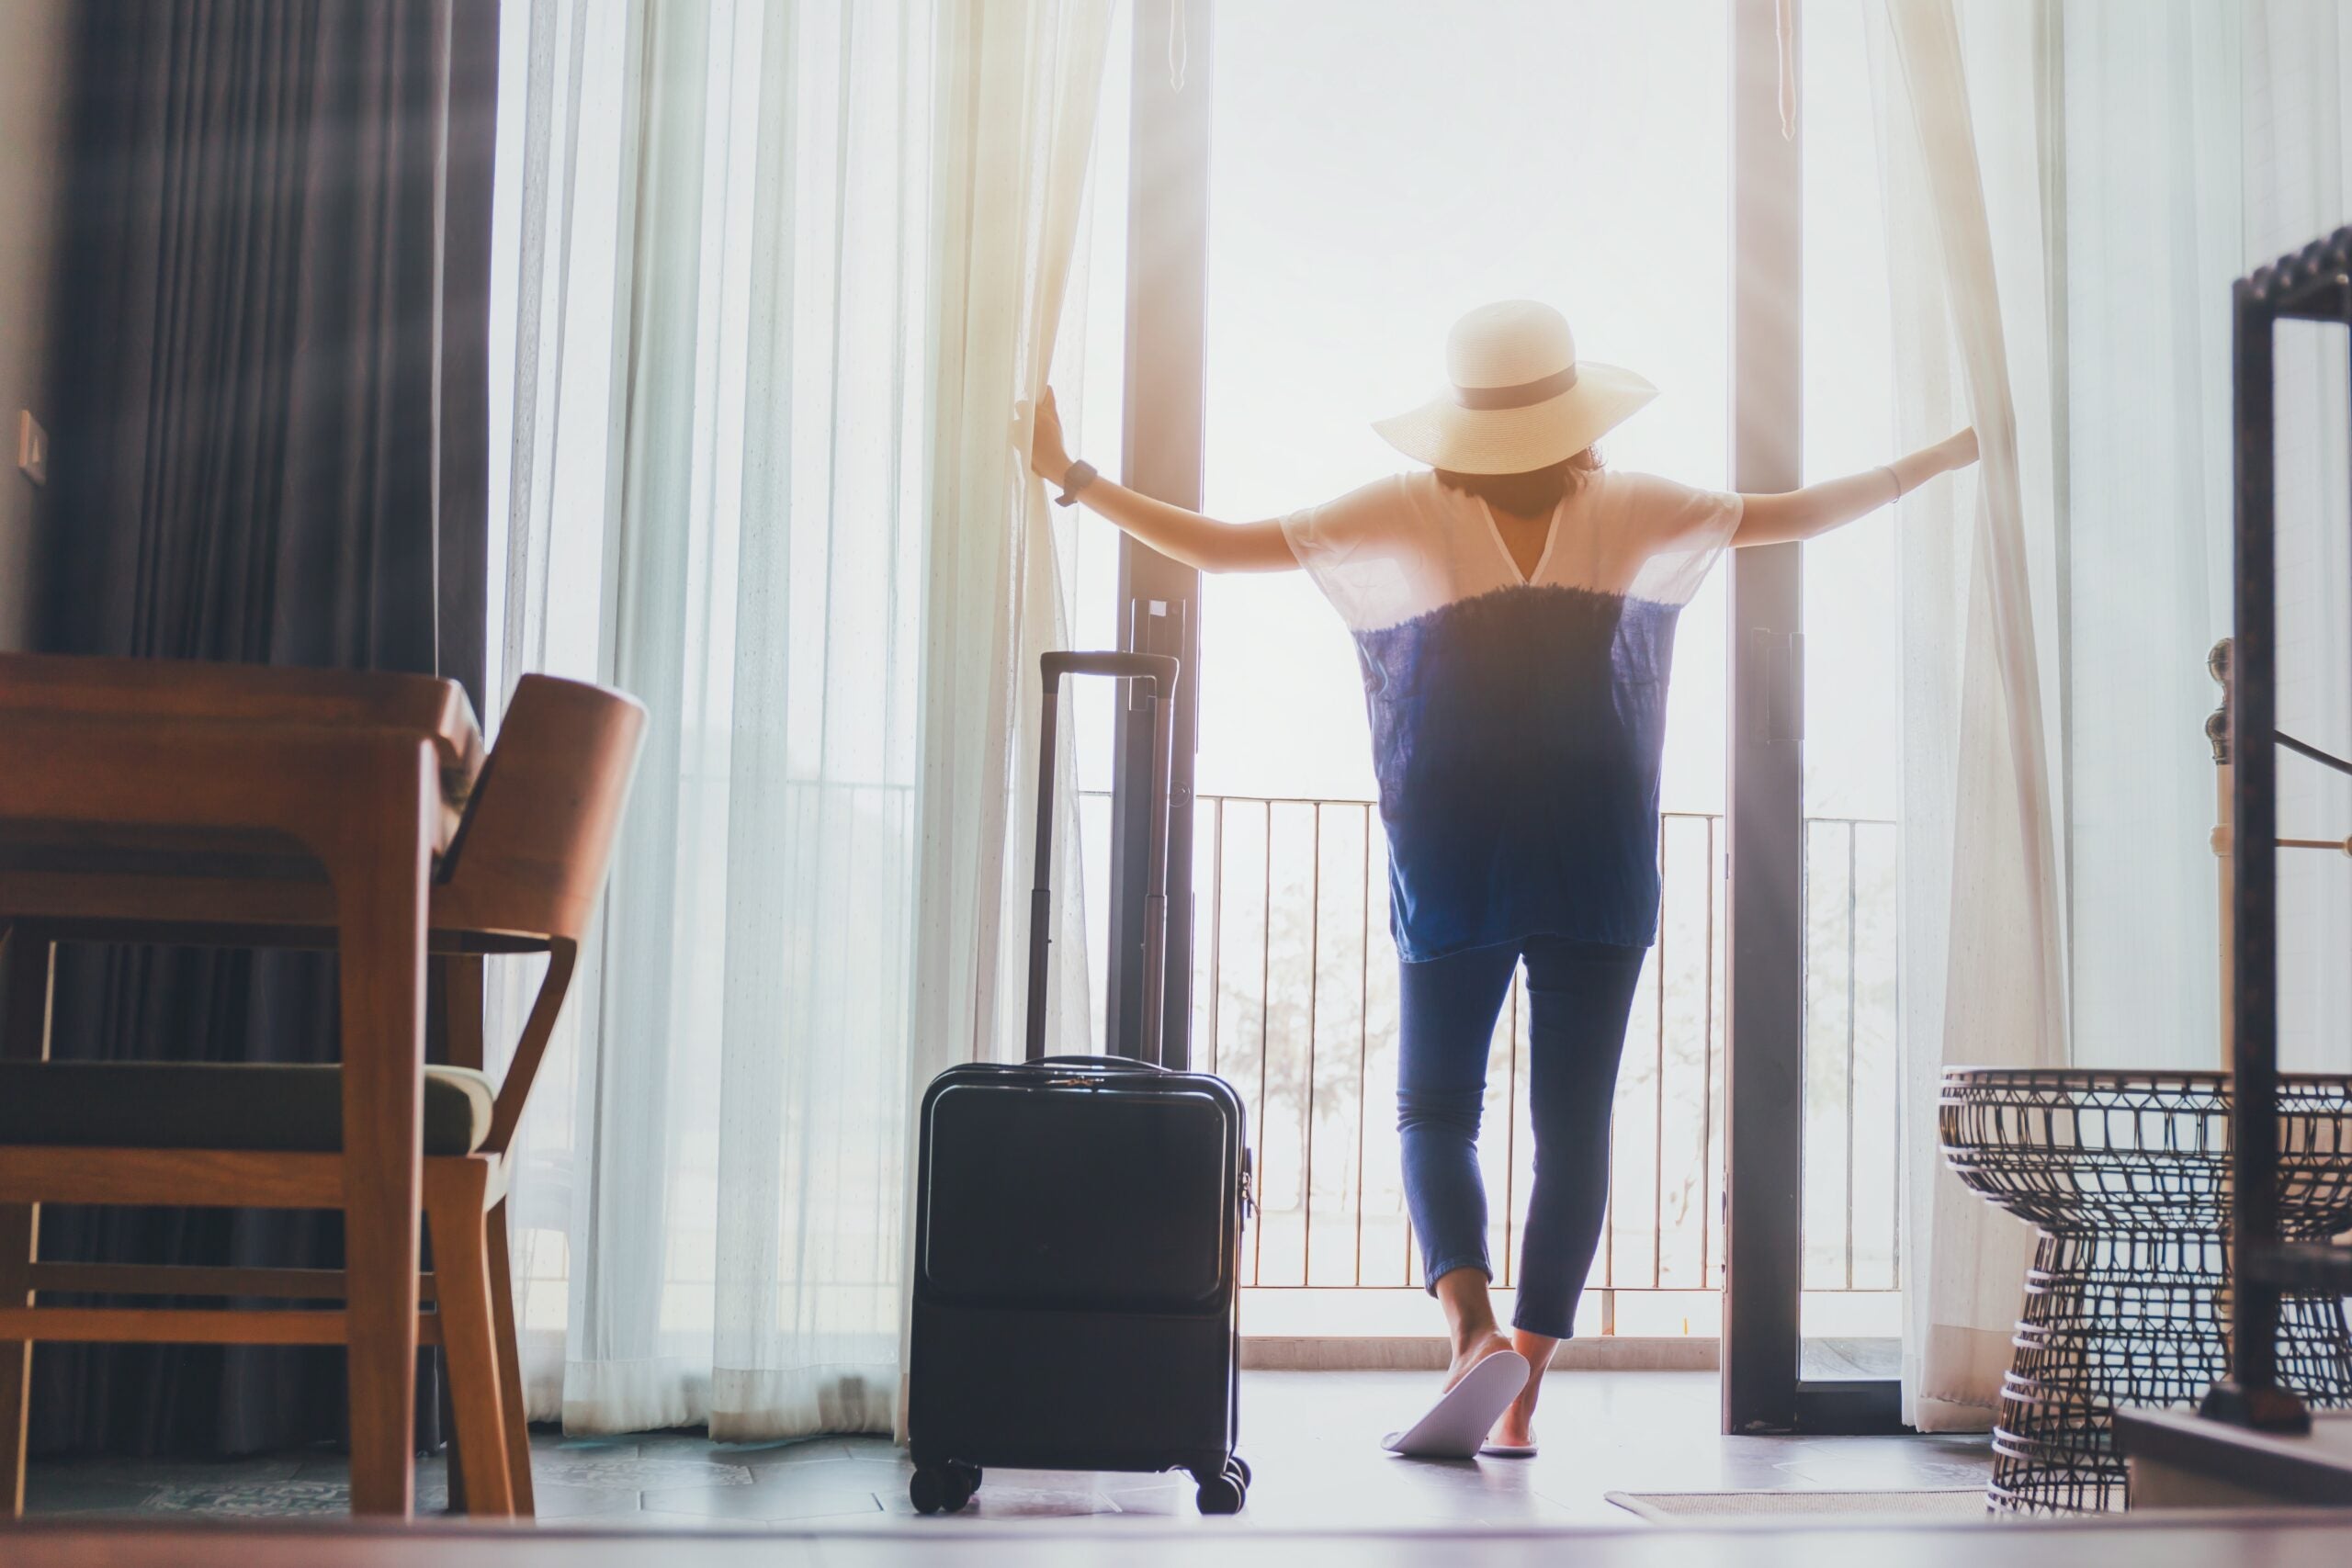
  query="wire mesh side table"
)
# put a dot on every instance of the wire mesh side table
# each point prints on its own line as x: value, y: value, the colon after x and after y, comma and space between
x: 2126, y: 1176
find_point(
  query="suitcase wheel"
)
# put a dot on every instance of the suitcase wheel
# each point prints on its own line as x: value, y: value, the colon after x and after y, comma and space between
x: 943, y: 1488
x: 1224, y: 1491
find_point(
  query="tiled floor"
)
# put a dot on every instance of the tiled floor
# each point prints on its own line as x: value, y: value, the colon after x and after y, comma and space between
x: 1310, y: 1439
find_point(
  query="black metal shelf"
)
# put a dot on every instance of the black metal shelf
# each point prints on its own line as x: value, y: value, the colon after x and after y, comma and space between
x: 2313, y: 284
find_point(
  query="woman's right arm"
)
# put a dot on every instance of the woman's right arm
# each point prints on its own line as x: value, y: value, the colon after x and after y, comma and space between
x: 1201, y: 543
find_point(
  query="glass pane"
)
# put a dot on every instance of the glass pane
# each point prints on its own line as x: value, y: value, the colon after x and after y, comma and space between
x: 1850, y: 1314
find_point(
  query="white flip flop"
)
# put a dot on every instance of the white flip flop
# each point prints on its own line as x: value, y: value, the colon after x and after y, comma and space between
x: 1507, y: 1450
x: 1457, y: 1425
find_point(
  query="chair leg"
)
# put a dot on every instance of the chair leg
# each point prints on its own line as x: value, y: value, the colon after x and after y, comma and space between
x: 516, y: 1410
x: 453, y: 985
x: 461, y: 1285
x: 24, y: 1036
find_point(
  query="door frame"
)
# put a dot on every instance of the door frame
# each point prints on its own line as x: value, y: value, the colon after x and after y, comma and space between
x: 1764, y: 1388
x: 1159, y: 599
x: 1159, y: 611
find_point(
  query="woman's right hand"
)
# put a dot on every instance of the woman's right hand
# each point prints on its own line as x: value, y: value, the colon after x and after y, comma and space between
x: 1960, y: 450
x: 1048, y: 457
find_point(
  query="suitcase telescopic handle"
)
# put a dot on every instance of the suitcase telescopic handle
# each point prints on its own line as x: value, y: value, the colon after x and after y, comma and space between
x: 1159, y: 671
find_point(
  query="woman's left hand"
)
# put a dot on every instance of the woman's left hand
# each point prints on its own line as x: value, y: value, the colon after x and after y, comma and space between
x: 1048, y: 456
x: 1960, y: 450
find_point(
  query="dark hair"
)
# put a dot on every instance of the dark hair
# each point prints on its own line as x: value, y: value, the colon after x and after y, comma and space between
x: 1530, y: 494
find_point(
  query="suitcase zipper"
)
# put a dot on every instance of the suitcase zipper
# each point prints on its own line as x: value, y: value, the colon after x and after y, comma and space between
x: 1249, y: 1200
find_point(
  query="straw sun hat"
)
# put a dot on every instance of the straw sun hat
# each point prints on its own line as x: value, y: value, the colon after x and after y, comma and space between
x: 1519, y: 397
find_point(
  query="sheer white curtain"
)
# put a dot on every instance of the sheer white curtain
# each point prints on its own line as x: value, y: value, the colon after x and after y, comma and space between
x: 1962, y: 139
x: 1027, y: 88
x: 1028, y: 85
x: 2151, y: 243
x: 2117, y: 162
x: 2202, y: 137
x: 778, y: 273
x: 2190, y: 140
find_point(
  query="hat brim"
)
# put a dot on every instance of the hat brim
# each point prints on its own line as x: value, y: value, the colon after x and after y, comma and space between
x: 1444, y: 435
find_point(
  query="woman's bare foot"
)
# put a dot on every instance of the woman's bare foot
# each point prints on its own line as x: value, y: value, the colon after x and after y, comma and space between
x: 1486, y: 1372
x: 1516, y: 1427
x: 1477, y: 1349
x: 1469, y: 1321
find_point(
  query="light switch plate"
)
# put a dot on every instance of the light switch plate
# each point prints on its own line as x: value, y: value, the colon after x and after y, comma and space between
x: 32, y: 448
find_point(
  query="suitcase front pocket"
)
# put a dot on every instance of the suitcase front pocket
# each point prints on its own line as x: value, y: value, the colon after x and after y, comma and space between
x: 1051, y: 1197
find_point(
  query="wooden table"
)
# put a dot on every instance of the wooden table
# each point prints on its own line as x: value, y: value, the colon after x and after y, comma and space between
x: 158, y: 791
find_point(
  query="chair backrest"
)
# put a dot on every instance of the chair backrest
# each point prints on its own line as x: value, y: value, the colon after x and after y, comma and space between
x: 530, y: 856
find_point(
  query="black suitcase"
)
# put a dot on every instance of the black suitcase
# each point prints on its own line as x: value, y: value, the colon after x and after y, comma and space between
x: 1078, y: 1227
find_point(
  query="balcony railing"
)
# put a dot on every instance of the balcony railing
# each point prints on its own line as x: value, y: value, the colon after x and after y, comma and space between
x: 1294, y: 1001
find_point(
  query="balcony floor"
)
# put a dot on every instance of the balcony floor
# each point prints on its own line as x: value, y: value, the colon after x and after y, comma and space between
x: 1310, y: 1438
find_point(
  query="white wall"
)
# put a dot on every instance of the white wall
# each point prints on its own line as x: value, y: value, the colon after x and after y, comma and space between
x: 32, y: 70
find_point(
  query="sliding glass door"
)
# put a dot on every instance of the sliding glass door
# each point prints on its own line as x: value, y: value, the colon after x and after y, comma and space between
x: 1319, y: 189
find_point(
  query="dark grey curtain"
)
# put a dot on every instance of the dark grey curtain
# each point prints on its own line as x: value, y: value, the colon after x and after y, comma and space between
x: 269, y: 447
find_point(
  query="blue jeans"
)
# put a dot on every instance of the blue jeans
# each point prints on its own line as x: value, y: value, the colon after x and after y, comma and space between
x: 1578, y: 996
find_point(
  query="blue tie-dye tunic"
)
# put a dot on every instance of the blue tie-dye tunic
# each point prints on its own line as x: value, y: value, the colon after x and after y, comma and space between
x: 1517, y: 722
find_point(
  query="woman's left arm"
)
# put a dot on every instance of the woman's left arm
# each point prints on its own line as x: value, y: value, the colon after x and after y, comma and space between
x: 1801, y: 513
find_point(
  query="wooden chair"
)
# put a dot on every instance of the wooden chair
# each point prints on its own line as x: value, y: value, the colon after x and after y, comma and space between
x: 523, y: 873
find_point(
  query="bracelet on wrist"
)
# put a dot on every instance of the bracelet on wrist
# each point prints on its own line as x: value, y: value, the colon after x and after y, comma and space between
x: 1079, y: 476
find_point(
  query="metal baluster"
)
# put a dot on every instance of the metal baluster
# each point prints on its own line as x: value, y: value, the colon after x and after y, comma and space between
x: 1707, y: 1081
x: 1850, y: 999
x: 1895, y: 1240
x: 1265, y: 1048
x: 1658, y: 1084
x: 1364, y: 1027
x: 1217, y: 934
x: 1314, y: 1043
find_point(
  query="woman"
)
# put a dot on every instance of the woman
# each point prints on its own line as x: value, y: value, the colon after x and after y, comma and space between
x: 1513, y: 607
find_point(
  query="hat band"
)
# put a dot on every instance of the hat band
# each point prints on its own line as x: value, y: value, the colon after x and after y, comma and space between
x: 1524, y: 395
